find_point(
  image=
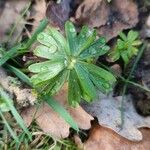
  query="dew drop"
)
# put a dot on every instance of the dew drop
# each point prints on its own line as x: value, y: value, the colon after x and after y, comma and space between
x: 37, y: 80
x: 52, y: 49
x: 106, y: 85
x: 89, y: 33
x: 92, y: 51
x: 43, y: 68
x: 72, y: 30
x: 41, y: 36
x: 58, y: 83
x: 74, y: 103
x: 66, y: 62
x: 83, y: 36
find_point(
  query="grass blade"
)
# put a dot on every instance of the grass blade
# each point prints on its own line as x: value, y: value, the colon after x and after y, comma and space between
x: 9, y: 54
x: 13, y: 134
x: 20, y: 74
x: 14, y: 112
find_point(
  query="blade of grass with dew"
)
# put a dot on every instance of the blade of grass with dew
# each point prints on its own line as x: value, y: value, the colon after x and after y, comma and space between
x: 61, y: 111
x: 13, y: 134
x: 9, y: 54
x: 53, y: 103
x: 14, y: 112
x: 22, y: 48
x: 20, y: 74
x: 41, y: 27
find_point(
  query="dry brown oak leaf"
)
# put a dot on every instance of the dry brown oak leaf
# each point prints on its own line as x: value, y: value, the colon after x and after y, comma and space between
x: 51, y: 122
x: 107, y: 109
x: 108, y: 18
x: 106, y: 139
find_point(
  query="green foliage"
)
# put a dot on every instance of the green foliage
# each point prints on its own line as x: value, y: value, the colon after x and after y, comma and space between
x: 68, y: 61
x: 6, y: 105
x: 126, y: 47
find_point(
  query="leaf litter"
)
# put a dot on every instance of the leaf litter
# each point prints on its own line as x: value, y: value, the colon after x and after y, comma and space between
x: 51, y: 123
x: 108, y: 18
x: 107, y: 109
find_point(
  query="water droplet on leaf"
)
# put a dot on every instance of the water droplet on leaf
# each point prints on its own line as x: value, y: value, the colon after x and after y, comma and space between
x: 43, y: 68
x: 92, y: 51
x: 41, y: 36
x: 72, y: 30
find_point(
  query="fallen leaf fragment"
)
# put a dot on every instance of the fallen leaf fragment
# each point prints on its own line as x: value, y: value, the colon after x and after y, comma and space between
x: 107, y: 110
x: 38, y: 12
x: 48, y: 120
x: 51, y: 122
x: 106, y: 139
x: 58, y: 13
x: 109, y: 18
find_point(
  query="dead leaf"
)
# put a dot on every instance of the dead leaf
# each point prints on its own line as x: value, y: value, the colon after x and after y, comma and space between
x: 10, y: 14
x: 50, y: 122
x: 38, y: 12
x: 108, y: 18
x: 107, y: 110
x: 89, y: 12
x: 58, y: 14
x: 106, y: 139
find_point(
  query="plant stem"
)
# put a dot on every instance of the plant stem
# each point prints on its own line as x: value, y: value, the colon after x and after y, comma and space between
x: 22, y: 48
x: 126, y: 83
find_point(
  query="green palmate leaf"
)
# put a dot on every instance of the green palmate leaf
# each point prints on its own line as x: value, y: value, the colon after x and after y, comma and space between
x: 100, y: 83
x: 46, y: 70
x: 71, y: 35
x: 136, y: 43
x: 60, y: 80
x: 74, y: 91
x: 54, y: 67
x: 48, y: 52
x: 132, y: 35
x: 85, y: 82
x: 72, y: 64
x: 102, y: 73
x: 85, y: 39
x: 98, y: 48
x: 126, y: 47
x: 46, y: 40
x: 123, y: 36
x: 61, y: 41
x: 58, y: 108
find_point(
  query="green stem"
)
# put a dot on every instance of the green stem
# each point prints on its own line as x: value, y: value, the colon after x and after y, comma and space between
x: 41, y: 27
x: 22, y: 48
x: 126, y: 83
x: 18, y: 20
